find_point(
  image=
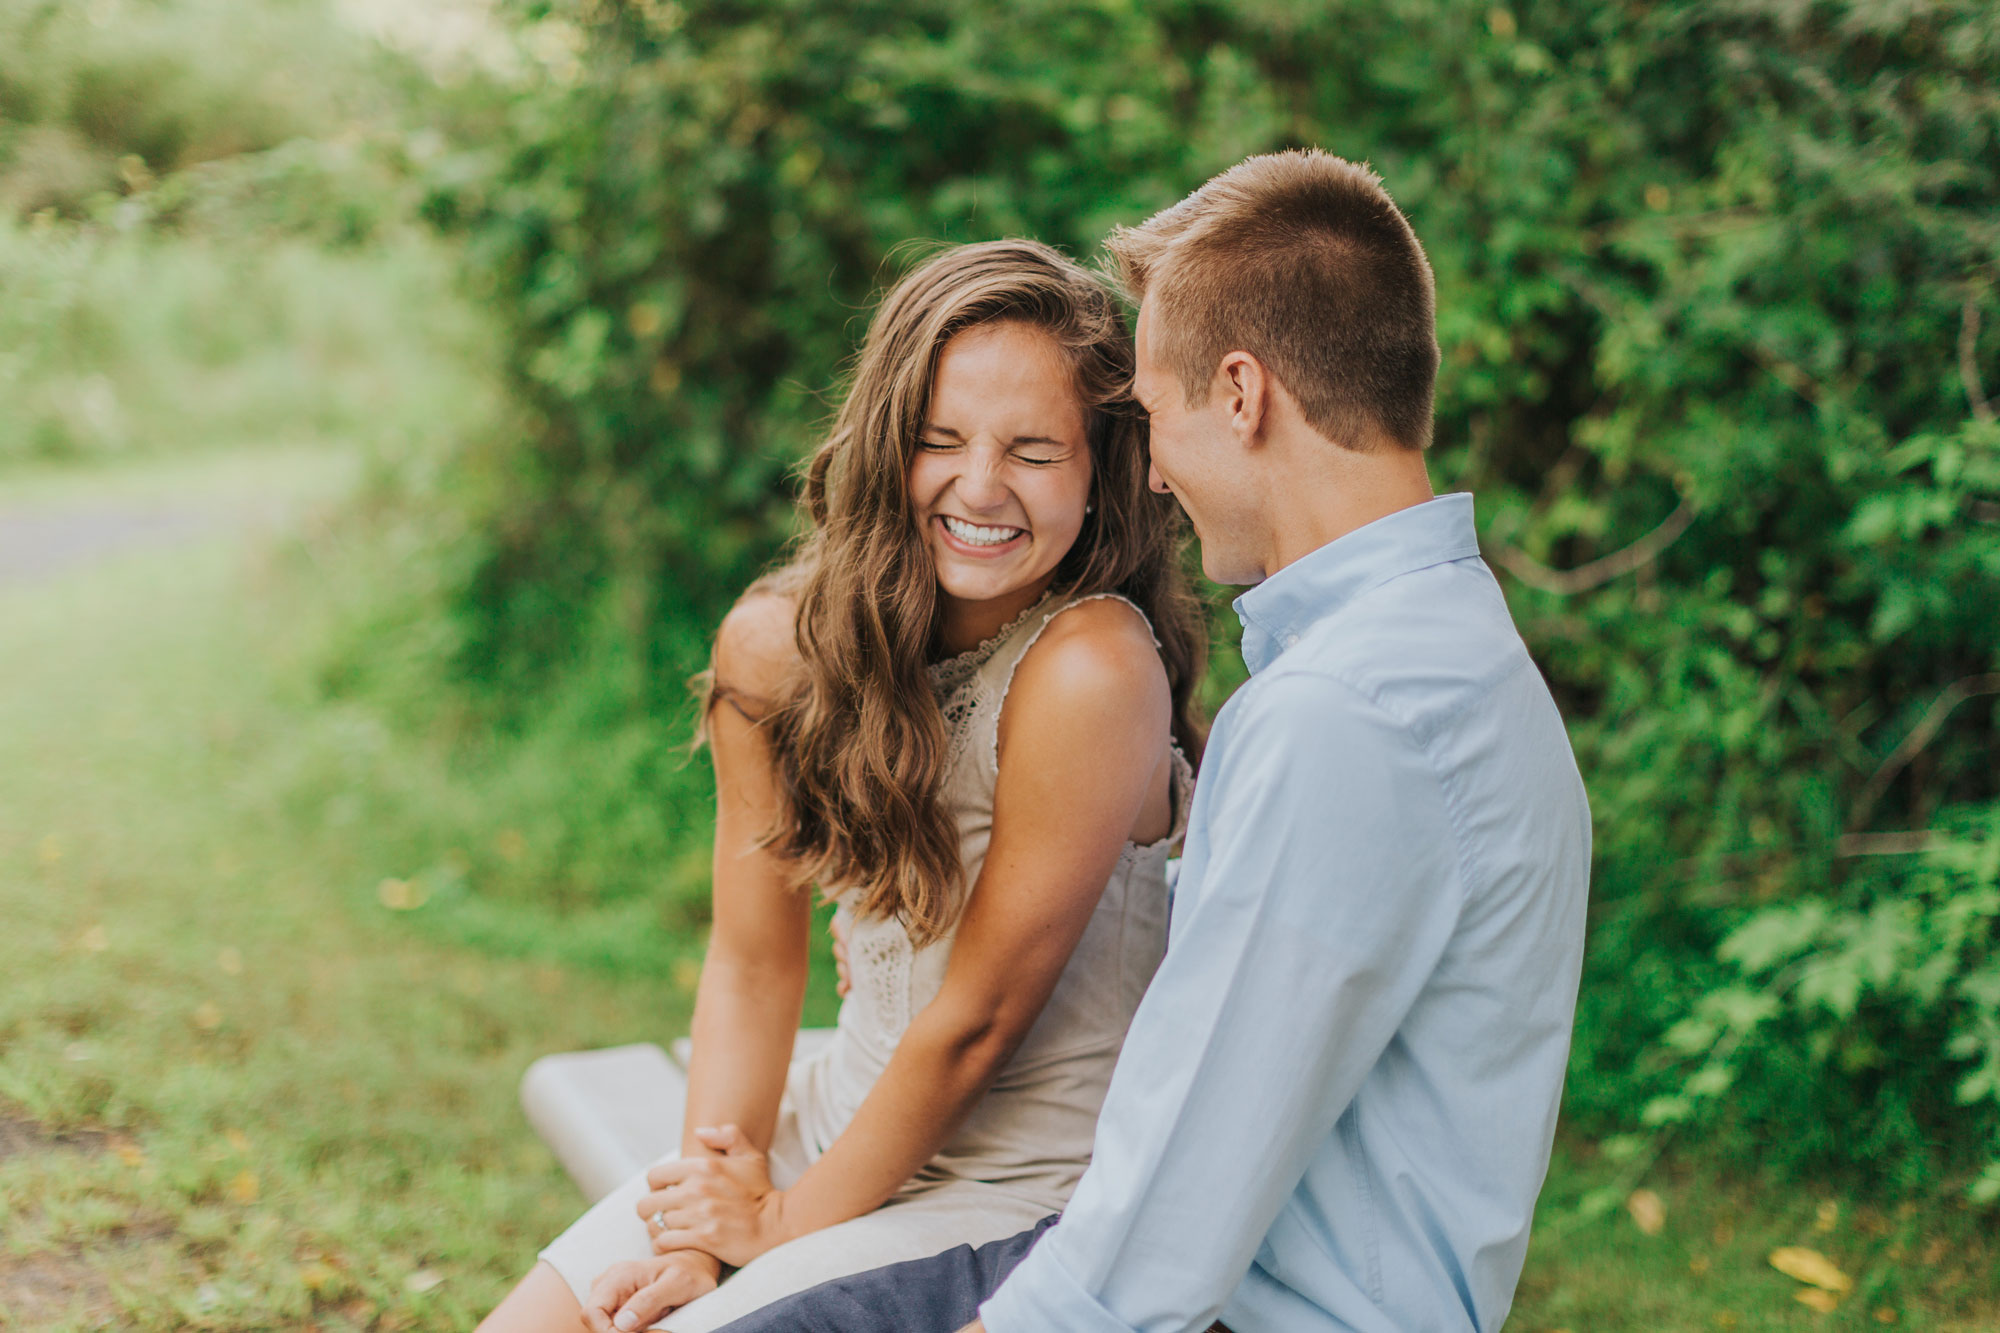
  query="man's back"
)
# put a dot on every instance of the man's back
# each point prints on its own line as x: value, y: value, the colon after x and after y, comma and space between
x: 1335, y: 1108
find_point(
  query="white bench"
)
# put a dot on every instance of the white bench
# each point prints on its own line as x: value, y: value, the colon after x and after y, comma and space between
x: 609, y: 1114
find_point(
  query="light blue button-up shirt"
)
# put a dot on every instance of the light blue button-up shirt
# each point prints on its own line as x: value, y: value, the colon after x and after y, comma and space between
x: 1335, y: 1106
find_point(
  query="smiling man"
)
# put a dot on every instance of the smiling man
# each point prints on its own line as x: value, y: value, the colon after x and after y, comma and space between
x: 1335, y: 1105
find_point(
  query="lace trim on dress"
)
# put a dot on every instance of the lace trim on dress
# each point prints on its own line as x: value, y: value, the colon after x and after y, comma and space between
x: 950, y: 675
x: 961, y: 692
x: 881, y: 965
x: 959, y: 709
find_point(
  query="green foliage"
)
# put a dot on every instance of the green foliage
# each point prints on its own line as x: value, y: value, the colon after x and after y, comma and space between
x: 130, y: 343
x: 265, y: 287
x: 181, y: 235
x: 1866, y: 989
x: 580, y: 829
x: 687, y: 232
x: 1786, y: 717
x: 99, y: 98
x: 1712, y: 281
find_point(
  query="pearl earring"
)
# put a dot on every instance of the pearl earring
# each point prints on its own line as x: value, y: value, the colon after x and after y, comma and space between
x: 1090, y: 509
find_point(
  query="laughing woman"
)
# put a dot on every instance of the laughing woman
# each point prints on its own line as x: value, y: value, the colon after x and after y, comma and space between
x: 962, y: 712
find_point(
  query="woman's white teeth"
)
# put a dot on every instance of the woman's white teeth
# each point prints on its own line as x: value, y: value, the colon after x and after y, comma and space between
x: 974, y: 535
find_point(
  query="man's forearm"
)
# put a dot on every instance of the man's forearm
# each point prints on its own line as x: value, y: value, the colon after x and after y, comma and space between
x: 974, y: 1327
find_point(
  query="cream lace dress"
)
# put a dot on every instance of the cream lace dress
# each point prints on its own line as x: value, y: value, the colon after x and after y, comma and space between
x: 1020, y: 1151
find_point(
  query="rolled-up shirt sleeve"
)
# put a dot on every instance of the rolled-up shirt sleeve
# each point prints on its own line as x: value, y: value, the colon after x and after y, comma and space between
x: 1319, y: 893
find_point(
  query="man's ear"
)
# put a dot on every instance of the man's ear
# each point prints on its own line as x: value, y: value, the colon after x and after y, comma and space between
x: 1245, y: 389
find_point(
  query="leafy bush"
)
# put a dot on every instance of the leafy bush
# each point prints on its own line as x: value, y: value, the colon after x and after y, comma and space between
x: 1712, y: 281
x: 213, y: 250
x: 103, y: 97
x: 135, y: 343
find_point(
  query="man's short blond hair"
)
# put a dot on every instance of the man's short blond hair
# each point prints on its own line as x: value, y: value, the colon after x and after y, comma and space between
x: 1302, y: 260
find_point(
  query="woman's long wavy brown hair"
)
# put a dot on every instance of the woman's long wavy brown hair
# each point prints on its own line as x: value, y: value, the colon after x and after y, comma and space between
x: 859, y: 742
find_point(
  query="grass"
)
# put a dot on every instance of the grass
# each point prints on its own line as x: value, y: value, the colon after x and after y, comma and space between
x: 307, y: 1101
x: 207, y: 234
x: 1707, y: 1267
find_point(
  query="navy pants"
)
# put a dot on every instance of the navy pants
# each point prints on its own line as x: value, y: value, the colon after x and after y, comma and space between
x: 941, y: 1294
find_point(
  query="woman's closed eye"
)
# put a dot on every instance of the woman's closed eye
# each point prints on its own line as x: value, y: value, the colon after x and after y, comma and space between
x: 1034, y: 450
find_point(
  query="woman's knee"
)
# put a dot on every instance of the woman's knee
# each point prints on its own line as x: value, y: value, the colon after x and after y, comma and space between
x: 540, y: 1303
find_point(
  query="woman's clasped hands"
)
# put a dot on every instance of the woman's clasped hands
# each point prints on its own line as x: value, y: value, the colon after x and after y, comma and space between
x: 724, y: 1205
x: 702, y: 1213
x: 636, y: 1293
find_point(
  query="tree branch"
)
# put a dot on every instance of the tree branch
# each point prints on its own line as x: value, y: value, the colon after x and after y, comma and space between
x: 1920, y: 735
x: 1968, y: 360
x: 1787, y: 372
x: 1564, y: 582
x: 1886, y: 844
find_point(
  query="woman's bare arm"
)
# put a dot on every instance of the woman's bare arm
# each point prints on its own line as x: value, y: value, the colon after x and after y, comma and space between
x: 1084, y: 765
x: 753, y: 980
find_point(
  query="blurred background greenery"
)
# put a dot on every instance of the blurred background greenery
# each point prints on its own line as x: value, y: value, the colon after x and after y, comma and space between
x: 469, y: 346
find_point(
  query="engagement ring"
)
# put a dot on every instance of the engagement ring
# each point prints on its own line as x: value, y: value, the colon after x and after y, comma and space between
x: 660, y: 1221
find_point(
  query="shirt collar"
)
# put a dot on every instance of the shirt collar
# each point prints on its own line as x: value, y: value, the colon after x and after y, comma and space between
x: 1281, y: 608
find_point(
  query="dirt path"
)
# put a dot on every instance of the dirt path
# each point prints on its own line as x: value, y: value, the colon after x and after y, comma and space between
x: 37, y: 542
x: 54, y: 524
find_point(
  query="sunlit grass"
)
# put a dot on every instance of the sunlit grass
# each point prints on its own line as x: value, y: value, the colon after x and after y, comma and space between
x: 1697, y: 1256
x: 313, y: 1102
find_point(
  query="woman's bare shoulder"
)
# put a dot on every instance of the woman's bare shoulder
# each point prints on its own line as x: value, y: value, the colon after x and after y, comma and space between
x: 757, y: 648
x: 1098, y: 653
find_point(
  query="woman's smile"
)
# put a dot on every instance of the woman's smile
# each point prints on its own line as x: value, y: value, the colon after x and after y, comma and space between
x: 980, y: 539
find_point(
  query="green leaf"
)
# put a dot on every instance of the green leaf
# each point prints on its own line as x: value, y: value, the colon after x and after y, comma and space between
x: 1985, y: 1188
x: 1834, y: 985
x: 1624, y: 1147
x: 1710, y: 1081
x: 1600, y: 1202
x: 1741, y: 1008
x: 1774, y: 935
x: 1669, y: 1110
